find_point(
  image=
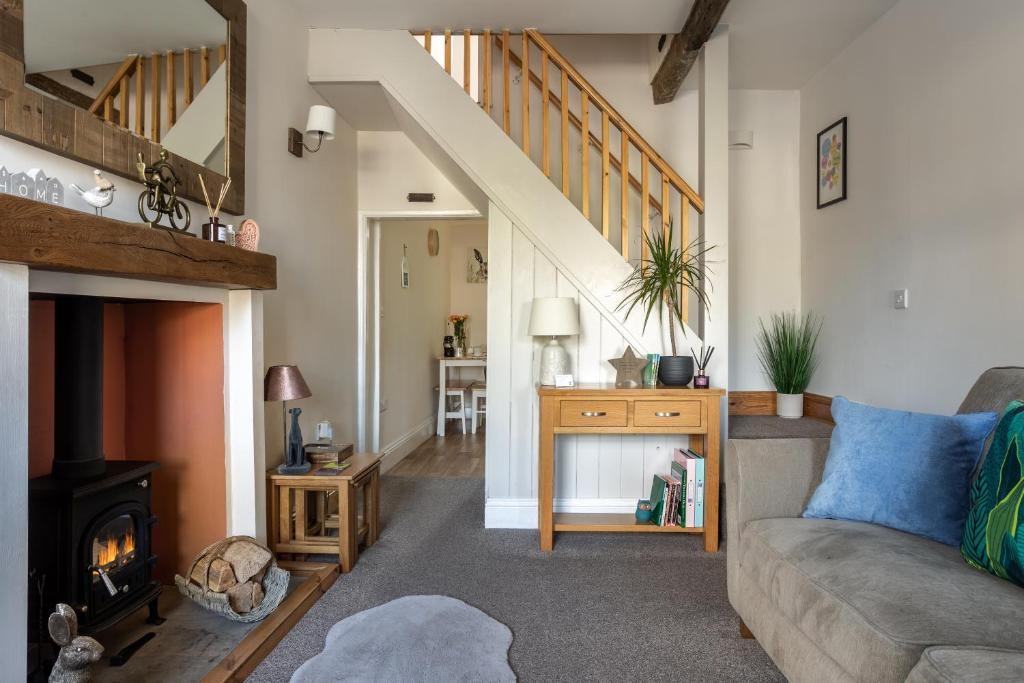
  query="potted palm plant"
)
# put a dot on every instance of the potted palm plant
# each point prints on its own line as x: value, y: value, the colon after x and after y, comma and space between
x: 659, y: 283
x: 786, y: 347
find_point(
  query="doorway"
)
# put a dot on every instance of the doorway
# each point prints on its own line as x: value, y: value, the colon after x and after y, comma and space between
x: 423, y: 275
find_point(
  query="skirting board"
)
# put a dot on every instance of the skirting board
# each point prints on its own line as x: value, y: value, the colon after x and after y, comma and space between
x: 521, y: 513
x: 396, y: 451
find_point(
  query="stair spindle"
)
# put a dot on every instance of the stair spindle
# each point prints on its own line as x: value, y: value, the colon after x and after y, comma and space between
x: 624, y: 226
x: 448, y: 51
x: 565, y: 132
x: 172, y: 111
x: 645, y: 204
x: 123, y: 92
x: 140, y: 97
x: 665, y: 213
x: 605, y: 212
x: 222, y: 54
x: 487, y: 47
x: 426, y: 41
x: 154, y: 94
x: 585, y: 161
x: 545, y: 128
x: 684, y: 242
x: 204, y: 66
x: 108, y: 109
x: 465, y: 59
x: 186, y: 66
x: 525, y: 59
x: 505, y: 114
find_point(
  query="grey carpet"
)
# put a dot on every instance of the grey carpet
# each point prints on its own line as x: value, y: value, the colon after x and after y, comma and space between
x: 601, y: 607
x: 419, y: 637
x: 772, y: 427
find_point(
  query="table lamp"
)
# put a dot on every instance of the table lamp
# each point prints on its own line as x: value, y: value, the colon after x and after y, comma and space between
x: 554, y: 317
x: 285, y: 383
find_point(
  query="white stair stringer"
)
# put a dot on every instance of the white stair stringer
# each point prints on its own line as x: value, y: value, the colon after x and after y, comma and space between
x: 454, y: 132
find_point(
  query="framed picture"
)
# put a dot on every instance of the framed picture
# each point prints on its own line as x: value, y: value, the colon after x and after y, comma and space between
x: 830, y: 158
x: 476, y: 266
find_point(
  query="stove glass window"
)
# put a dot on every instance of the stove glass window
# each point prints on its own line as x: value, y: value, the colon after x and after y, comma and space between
x: 113, y: 546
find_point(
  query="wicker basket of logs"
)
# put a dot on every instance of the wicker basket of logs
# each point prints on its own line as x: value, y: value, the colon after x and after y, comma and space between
x: 237, y: 578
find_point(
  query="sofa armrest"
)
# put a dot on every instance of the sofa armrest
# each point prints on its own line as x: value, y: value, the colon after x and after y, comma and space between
x: 764, y: 479
x: 767, y: 478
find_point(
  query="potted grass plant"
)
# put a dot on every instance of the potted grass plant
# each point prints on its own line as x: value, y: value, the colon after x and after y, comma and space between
x: 786, y: 347
x: 658, y: 283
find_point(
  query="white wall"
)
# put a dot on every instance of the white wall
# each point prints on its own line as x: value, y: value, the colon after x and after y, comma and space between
x: 468, y: 297
x: 764, y: 215
x: 412, y: 324
x: 933, y: 99
x: 306, y: 209
x: 390, y: 166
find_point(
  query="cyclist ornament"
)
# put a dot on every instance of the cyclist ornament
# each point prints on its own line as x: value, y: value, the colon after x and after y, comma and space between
x: 160, y: 198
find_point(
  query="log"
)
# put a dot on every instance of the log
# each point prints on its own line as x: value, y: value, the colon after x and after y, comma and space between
x: 247, y: 559
x: 240, y: 597
x: 221, y: 576
x: 257, y: 595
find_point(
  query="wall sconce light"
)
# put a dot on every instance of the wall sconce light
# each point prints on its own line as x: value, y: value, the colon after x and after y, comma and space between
x: 741, y: 139
x: 320, y: 123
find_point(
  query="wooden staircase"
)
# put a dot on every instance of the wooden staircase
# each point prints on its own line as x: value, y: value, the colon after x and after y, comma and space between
x: 647, y: 193
x: 196, y: 66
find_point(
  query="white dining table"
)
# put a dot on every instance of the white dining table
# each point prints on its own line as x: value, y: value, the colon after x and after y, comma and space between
x: 443, y: 365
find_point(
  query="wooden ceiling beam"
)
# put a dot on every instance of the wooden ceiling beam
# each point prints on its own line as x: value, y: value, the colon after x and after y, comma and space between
x: 685, y: 47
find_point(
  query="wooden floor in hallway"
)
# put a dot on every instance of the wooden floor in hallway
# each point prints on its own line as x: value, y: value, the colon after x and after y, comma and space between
x: 453, y: 456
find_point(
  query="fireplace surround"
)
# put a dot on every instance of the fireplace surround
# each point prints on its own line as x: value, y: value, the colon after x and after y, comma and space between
x: 90, y: 520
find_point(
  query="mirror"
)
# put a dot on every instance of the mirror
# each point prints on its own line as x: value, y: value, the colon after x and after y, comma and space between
x: 155, y: 68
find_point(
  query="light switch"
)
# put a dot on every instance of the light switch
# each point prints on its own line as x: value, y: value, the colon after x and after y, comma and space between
x: 900, y: 299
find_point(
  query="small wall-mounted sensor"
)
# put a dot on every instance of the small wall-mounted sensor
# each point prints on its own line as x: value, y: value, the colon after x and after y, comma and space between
x: 421, y: 197
x: 900, y: 299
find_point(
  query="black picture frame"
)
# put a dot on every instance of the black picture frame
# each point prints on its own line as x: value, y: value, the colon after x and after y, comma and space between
x: 841, y: 125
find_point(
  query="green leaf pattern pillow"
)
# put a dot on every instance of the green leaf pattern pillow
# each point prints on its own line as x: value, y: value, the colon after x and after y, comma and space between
x: 994, y: 533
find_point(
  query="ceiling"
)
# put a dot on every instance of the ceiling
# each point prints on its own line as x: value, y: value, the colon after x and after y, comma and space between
x: 774, y: 44
x: 73, y: 33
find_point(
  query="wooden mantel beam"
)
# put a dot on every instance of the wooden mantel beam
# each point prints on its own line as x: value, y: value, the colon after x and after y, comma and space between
x: 685, y: 47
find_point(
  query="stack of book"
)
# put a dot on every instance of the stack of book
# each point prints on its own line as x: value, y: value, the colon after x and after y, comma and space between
x: 677, y: 498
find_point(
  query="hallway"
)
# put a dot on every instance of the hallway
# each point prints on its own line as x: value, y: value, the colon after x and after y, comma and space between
x: 453, y: 456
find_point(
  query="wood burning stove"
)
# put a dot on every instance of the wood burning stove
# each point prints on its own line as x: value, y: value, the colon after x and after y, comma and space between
x: 90, y: 520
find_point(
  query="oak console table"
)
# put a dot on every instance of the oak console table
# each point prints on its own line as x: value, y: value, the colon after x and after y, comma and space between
x: 607, y: 409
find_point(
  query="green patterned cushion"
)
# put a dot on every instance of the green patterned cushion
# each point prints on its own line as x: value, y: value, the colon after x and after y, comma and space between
x: 994, y: 534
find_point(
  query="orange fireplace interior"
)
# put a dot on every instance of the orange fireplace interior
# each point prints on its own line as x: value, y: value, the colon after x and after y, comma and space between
x: 163, y: 401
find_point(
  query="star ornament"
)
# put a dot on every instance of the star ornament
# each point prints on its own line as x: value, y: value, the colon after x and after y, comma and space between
x: 629, y: 369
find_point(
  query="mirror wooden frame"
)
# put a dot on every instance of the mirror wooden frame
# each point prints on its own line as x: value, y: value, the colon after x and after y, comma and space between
x: 56, y: 126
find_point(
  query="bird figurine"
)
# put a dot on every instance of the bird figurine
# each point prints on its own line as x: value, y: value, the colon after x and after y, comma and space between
x: 100, y: 196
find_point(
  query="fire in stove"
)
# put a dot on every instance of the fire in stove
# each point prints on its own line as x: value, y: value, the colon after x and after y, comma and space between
x: 113, y: 551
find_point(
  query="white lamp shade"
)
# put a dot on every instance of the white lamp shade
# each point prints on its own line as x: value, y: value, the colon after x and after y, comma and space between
x: 321, y: 120
x: 554, y: 316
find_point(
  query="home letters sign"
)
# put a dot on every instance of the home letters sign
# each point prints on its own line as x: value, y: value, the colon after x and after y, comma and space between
x: 32, y: 184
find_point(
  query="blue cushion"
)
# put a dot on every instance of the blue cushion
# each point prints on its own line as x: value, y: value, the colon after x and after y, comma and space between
x: 907, y: 471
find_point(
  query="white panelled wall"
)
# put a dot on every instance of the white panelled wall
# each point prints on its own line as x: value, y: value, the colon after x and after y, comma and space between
x: 605, y: 473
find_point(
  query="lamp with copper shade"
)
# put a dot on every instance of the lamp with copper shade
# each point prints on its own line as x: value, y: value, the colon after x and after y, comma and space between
x: 285, y: 383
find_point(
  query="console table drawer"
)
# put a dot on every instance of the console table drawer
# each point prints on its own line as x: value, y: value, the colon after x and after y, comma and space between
x: 667, y: 413
x: 593, y: 414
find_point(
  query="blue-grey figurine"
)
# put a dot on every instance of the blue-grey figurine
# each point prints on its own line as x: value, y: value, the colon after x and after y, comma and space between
x: 295, y: 459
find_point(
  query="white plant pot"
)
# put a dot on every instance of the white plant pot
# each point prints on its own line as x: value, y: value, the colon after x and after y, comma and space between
x: 789, y: 405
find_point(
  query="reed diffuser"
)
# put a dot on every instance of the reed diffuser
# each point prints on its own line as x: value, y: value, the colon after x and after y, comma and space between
x: 214, y: 230
x: 701, y: 360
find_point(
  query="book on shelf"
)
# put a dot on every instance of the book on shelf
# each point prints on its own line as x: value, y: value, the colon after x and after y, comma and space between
x: 665, y: 497
x: 688, y: 468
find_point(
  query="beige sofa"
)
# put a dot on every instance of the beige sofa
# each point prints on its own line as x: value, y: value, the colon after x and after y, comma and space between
x: 833, y: 600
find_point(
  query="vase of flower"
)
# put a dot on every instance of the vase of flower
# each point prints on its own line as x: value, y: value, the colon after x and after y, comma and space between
x: 458, y: 323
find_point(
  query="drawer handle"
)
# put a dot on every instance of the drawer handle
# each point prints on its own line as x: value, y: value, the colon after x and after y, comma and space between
x: 667, y: 414
x: 593, y: 413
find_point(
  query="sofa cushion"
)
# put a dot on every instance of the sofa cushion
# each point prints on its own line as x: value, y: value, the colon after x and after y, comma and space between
x: 994, y: 532
x: 874, y: 598
x: 968, y: 665
x: 908, y: 471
